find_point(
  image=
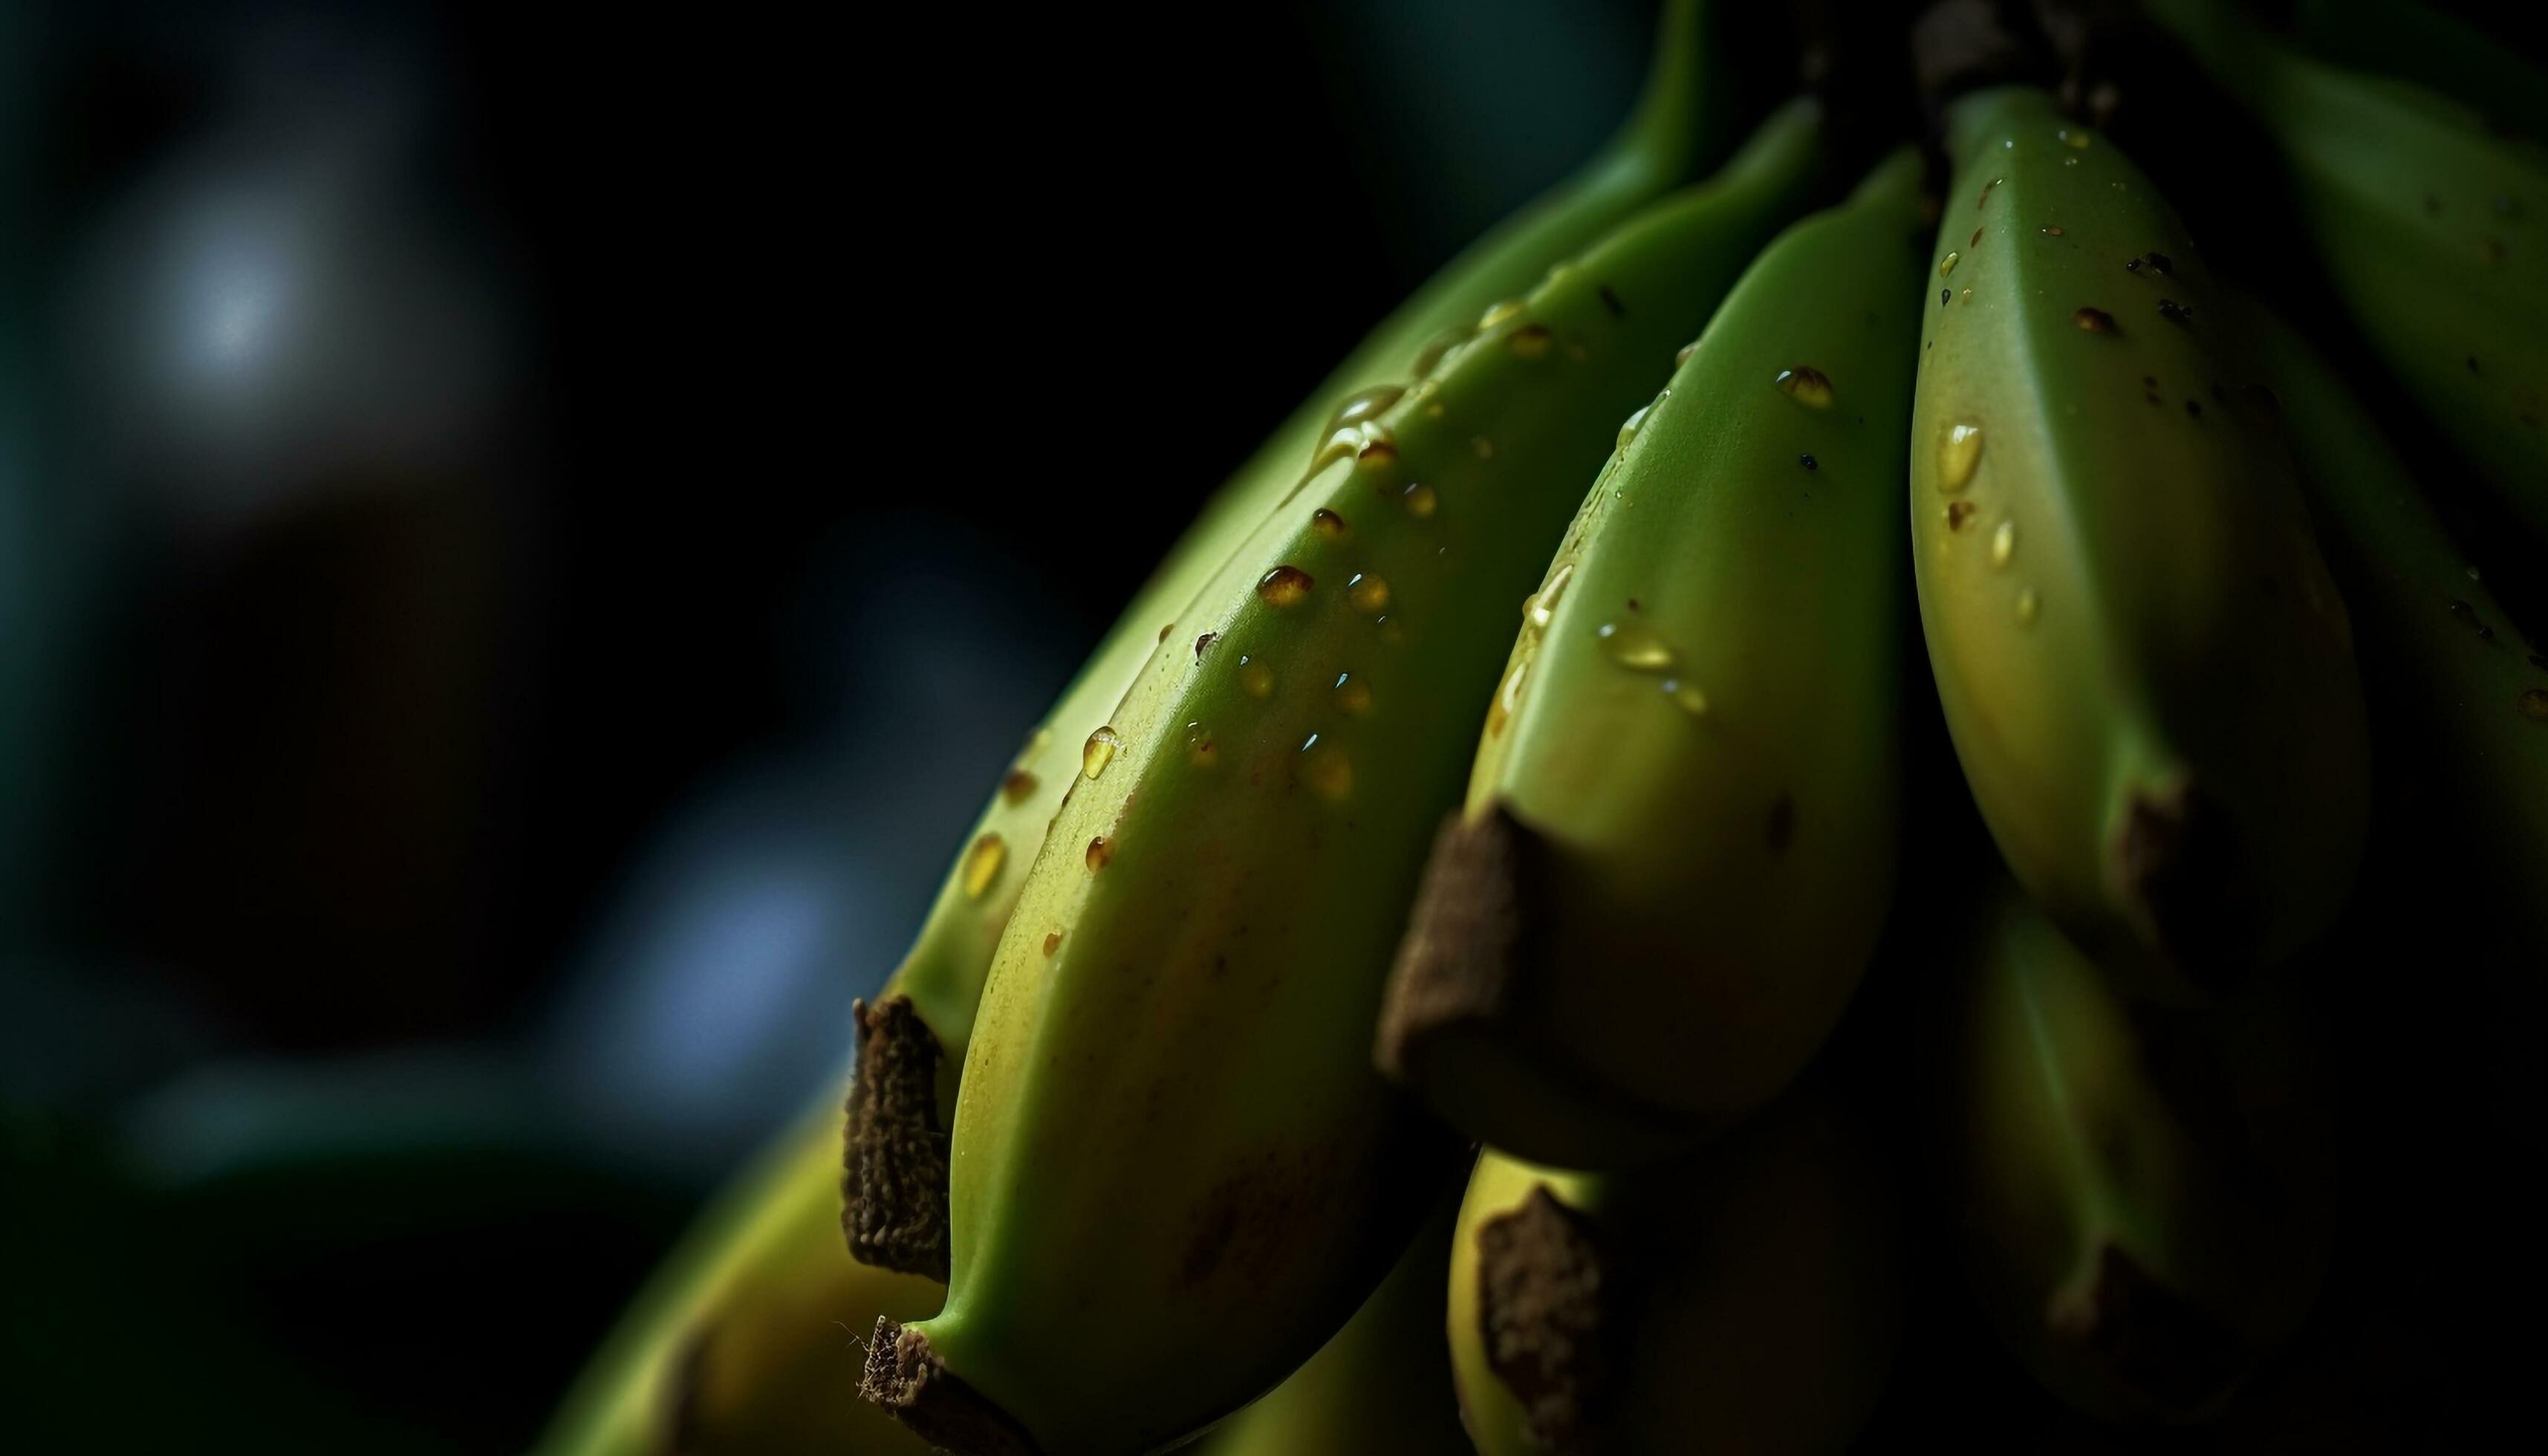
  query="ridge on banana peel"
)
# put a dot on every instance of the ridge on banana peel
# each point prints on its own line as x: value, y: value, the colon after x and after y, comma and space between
x: 2456, y: 665
x: 1678, y: 841
x: 2143, y: 1193
x: 2144, y: 666
x: 1381, y: 1388
x: 2428, y: 227
x: 1174, y: 1169
x: 1743, y: 1298
x: 898, y: 1161
x: 747, y: 1339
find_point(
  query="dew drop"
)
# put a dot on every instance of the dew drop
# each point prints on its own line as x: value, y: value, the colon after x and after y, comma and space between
x: 2052, y: 230
x: 1017, y: 786
x: 1353, y: 696
x: 2093, y: 321
x: 1376, y: 453
x: 1051, y: 943
x: 1960, y: 453
x: 1204, y: 642
x: 1421, y: 500
x: 1201, y: 749
x: 1326, y: 524
x: 1634, y: 646
x: 1530, y: 341
x: 1365, y: 404
x: 1285, y: 585
x: 1541, y: 606
x: 1947, y: 265
x: 1255, y: 678
x: 2004, y: 543
x: 982, y: 864
x: 1325, y: 769
x: 1958, y: 515
x: 1682, y: 355
x: 1807, y: 386
x: 2534, y: 705
x: 1629, y: 427
x: 1440, y: 344
x: 2028, y: 606
x: 1099, y: 851
x: 1367, y: 593
x: 1508, y: 697
x: 1975, y: 241
x: 1686, y: 696
x: 1984, y: 199
x: 1502, y: 313
x: 1965, y: 297
x: 1098, y: 752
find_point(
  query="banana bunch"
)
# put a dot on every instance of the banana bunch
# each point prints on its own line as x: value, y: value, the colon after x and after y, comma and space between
x: 1329, y: 886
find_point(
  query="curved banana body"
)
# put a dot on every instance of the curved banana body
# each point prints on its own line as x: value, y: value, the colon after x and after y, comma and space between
x: 2475, y: 689
x: 1678, y: 841
x: 1743, y: 1299
x: 2433, y: 49
x: 2143, y: 1196
x: 941, y: 978
x: 2432, y: 229
x: 748, y: 1339
x: 1174, y: 1169
x: 2146, y: 668
x: 1381, y: 1388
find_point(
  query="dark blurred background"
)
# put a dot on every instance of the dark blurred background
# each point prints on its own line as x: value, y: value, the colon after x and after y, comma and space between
x: 524, y: 541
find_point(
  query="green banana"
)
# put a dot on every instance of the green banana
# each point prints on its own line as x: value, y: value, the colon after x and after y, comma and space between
x: 1678, y: 841
x: 2430, y: 229
x: 2146, y: 668
x: 2144, y: 1197
x: 1745, y: 1297
x: 1381, y: 1388
x: 940, y: 979
x: 747, y: 1340
x: 2431, y: 48
x: 1174, y: 1170
x: 2476, y: 692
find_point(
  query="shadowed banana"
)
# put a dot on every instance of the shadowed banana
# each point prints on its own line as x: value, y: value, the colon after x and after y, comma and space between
x: 748, y: 1339
x: 2146, y: 670
x: 1745, y: 1297
x: 2474, y: 689
x: 2143, y: 1193
x: 1381, y: 1388
x: 1678, y: 841
x: 2432, y: 229
x: 896, y: 1158
x: 1174, y: 1169
x: 2433, y: 49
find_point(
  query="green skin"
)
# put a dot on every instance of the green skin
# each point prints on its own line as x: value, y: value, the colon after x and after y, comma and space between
x: 1769, y: 1263
x: 751, y: 1331
x: 1174, y: 1169
x: 1778, y: 592
x: 747, y: 1251
x: 2477, y: 699
x: 1381, y: 1388
x: 2430, y: 229
x: 1661, y: 147
x: 2064, y: 1133
x: 2162, y: 623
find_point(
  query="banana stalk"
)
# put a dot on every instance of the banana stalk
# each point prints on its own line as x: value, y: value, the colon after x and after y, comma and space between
x: 1174, y: 1171
x: 1678, y: 841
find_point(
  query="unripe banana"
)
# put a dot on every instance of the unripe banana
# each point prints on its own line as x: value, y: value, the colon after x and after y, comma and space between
x: 2144, y: 664
x: 1678, y: 841
x: 1381, y: 1388
x: 901, y: 1158
x: 748, y: 1338
x: 2474, y: 689
x: 1174, y: 1169
x: 2142, y: 1194
x: 2433, y: 49
x: 2429, y: 228
x: 1745, y: 1297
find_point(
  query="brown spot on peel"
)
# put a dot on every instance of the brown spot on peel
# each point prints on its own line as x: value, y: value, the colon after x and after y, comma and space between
x: 1541, y: 1307
x: 893, y: 1156
x: 2147, y: 1336
x: 1463, y: 948
x: 905, y: 1378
